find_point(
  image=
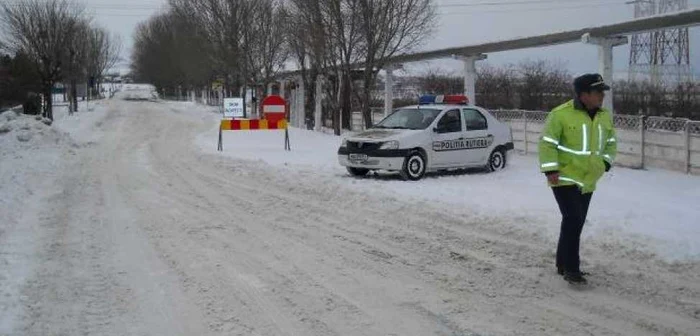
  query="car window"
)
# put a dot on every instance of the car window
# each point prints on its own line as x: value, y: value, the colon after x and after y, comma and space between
x: 450, y: 122
x: 474, y: 120
x: 409, y: 118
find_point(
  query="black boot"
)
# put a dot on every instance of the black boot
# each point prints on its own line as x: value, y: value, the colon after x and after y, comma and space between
x: 560, y: 271
x: 575, y: 278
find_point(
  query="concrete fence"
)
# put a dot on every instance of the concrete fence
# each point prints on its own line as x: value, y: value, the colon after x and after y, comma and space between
x: 655, y: 142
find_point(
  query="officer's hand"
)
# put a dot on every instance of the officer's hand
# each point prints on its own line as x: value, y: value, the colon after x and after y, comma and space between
x: 553, y: 177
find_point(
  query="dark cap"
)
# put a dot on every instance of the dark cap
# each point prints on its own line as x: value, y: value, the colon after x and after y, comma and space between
x: 590, y: 82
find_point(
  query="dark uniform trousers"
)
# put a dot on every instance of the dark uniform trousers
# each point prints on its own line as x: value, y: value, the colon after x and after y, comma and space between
x: 574, y: 209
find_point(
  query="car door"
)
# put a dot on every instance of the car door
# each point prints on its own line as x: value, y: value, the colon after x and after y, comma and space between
x: 478, y: 139
x: 447, y: 136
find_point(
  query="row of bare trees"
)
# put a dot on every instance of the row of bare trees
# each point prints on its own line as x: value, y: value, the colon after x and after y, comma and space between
x: 533, y: 85
x: 60, y: 41
x: 681, y: 100
x: 542, y: 85
x: 197, y: 42
x: 239, y: 43
x: 245, y: 43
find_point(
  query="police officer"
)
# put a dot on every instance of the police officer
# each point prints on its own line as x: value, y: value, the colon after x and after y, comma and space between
x: 577, y: 146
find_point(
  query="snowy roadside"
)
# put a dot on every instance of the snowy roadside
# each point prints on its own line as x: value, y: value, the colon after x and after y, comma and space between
x: 33, y: 155
x: 650, y: 211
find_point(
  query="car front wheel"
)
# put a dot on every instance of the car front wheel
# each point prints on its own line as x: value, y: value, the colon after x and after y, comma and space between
x: 414, y: 167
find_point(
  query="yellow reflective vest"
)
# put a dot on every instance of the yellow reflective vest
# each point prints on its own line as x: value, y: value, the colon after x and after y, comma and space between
x: 576, y: 146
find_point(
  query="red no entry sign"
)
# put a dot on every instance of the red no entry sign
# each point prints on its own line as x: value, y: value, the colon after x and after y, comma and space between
x: 274, y: 108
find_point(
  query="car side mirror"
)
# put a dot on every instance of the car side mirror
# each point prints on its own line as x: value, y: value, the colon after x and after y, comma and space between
x: 439, y: 129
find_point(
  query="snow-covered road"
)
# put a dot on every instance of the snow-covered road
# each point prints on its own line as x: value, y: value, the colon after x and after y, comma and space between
x: 141, y: 232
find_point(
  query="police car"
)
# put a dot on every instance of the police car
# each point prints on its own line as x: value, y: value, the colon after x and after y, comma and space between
x: 441, y: 132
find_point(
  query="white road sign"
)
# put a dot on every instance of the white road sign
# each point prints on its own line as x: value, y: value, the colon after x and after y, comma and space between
x: 233, y: 107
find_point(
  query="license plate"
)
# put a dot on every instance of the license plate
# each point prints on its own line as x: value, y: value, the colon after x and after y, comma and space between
x: 358, y: 157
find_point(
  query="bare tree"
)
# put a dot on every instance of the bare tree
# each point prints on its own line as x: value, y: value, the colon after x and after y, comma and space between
x: 436, y: 81
x: 306, y: 35
x: 680, y: 100
x: 41, y: 29
x: 543, y: 85
x: 271, y: 50
x: 390, y: 28
x: 103, y: 54
x: 497, y: 87
x: 323, y: 36
x: 230, y: 29
x: 337, y: 35
x: 686, y: 100
x: 170, y: 53
x: 345, y: 43
x: 75, y: 58
x: 155, y: 54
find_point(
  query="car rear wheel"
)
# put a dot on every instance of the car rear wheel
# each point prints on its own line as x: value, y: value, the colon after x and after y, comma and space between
x: 358, y: 171
x: 414, y: 167
x: 497, y: 160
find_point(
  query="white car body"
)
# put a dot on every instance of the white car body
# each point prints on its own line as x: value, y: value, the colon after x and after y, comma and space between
x: 441, y: 148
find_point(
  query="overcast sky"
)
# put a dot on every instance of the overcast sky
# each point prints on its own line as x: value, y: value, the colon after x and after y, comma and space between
x: 465, y: 22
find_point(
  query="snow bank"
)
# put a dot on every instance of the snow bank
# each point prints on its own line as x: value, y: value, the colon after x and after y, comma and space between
x: 20, y: 131
x: 33, y: 153
x: 30, y: 158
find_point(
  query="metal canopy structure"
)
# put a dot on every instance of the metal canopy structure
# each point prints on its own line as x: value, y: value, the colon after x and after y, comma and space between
x: 680, y: 19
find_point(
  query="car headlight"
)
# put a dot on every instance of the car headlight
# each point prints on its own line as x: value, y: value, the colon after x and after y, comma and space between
x: 390, y: 145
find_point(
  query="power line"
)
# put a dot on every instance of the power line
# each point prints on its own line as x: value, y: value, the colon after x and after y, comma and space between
x: 510, y: 3
x: 551, y: 8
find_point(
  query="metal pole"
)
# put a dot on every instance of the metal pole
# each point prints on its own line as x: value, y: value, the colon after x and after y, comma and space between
x: 642, y: 140
x: 687, y: 146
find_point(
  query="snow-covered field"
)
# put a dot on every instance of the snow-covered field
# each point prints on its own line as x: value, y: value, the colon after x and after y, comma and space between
x: 125, y: 220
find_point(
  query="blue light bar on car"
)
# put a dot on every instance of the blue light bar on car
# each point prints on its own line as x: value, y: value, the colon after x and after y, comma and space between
x: 443, y: 99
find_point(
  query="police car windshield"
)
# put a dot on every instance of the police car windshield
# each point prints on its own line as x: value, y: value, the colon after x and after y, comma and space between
x: 409, y: 118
